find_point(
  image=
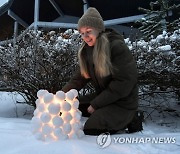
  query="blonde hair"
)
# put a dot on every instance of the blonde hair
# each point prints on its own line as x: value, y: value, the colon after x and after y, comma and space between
x: 101, y: 58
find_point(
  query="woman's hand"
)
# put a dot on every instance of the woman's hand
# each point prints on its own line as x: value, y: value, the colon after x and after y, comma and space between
x: 90, y: 109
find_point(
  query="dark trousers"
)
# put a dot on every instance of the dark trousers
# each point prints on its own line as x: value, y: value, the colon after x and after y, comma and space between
x: 94, y: 125
x: 85, y: 113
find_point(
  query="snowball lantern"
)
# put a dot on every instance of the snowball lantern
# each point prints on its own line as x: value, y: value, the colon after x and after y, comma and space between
x: 57, y: 117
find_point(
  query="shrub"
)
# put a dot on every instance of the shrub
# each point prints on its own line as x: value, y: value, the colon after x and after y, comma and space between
x: 39, y: 60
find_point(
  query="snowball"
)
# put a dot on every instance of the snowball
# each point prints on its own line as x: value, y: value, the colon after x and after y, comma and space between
x: 75, y: 126
x: 75, y: 104
x: 67, y: 116
x: 66, y: 128
x: 48, y: 97
x: 36, y: 112
x: 73, y: 135
x: 76, y: 115
x: 54, y: 108
x: 57, y: 116
x: 75, y: 92
x: 45, y: 117
x: 66, y: 106
x: 49, y: 137
x: 41, y: 93
x: 70, y: 95
x: 63, y: 136
x: 37, y: 102
x: 35, y: 119
x: 46, y: 129
x: 60, y: 95
x: 58, y: 132
x: 79, y: 112
x: 80, y: 125
x: 36, y: 124
x: 80, y: 133
x: 40, y: 136
x: 57, y: 121
x: 41, y: 107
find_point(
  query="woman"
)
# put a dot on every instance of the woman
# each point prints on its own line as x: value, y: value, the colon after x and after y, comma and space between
x: 106, y: 61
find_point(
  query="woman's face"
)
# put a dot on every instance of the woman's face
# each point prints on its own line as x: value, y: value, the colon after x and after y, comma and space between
x: 89, y: 35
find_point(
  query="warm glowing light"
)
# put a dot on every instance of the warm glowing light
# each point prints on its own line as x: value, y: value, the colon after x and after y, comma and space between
x: 57, y: 117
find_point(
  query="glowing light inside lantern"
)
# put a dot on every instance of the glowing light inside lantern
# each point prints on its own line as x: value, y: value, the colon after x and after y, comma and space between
x: 57, y: 117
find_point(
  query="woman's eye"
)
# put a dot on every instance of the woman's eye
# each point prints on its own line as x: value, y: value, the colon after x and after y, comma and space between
x: 88, y: 32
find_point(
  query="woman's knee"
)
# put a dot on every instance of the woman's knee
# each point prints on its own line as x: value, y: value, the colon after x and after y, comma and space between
x: 95, y: 121
x: 96, y: 125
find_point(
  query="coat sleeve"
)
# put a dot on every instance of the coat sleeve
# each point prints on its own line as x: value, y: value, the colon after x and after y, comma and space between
x: 76, y: 82
x: 124, y: 77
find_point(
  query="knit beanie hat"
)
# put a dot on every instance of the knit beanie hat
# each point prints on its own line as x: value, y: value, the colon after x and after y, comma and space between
x: 92, y: 18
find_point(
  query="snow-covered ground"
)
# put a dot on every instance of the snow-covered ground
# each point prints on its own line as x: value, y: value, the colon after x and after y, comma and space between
x: 16, y: 136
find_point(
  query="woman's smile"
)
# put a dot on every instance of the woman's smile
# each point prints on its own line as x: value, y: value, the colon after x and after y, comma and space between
x: 89, y: 35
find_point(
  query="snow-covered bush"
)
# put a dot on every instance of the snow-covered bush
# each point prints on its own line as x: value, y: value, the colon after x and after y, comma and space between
x: 40, y: 60
x: 47, y: 61
x: 162, y: 15
x: 158, y: 62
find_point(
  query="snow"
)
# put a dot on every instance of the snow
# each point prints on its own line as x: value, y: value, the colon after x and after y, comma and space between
x: 60, y: 95
x: 165, y: 48
x: 15, y: 122
x: 70, y: 95
x: 53, y: 115
x: 15, y: 118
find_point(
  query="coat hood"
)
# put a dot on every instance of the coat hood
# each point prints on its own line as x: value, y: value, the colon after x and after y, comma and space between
x: 113, y: 35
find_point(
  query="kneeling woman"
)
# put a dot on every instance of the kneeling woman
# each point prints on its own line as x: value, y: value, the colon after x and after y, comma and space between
x: 107, y: 63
